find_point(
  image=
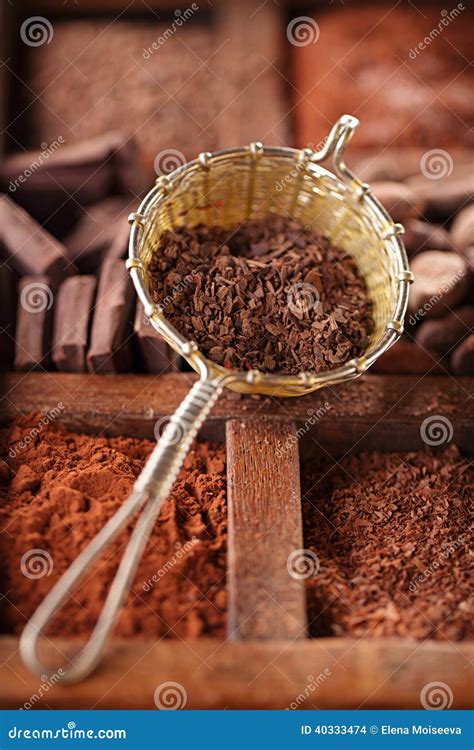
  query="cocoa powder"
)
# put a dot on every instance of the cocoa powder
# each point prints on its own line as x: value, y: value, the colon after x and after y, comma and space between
x: 392, y: 533
x: 58, y: 489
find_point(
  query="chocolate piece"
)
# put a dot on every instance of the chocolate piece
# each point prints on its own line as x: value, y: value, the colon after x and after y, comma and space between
x: 95, y: 233
x: 407, y: 358
x: 53, y: 185
x: 393, y: 166
x: 420, y: 235
x: 462, y: 361
x: 156, y: 354
x: 400, y: 202
x: 441, y: 281
x: 443, y: 334
x: 8, y: 302
x: 118, y: 248
x: 268, y: 294
x: 73, y: 313
x: 34, y: 323
x: 442, y: 197
x: 31, y: 249
x: 462, y: 229
x: 109, y: 349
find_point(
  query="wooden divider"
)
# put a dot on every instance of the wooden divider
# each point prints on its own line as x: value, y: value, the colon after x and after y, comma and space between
x: 265, y: 527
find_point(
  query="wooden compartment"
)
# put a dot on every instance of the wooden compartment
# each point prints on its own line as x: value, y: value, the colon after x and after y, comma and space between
x: 267, y: 658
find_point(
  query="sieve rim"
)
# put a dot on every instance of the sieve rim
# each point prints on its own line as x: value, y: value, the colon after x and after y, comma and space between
x: 256, y: 380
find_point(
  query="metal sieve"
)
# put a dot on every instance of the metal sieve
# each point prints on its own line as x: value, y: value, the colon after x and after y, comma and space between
x: 226, y: 188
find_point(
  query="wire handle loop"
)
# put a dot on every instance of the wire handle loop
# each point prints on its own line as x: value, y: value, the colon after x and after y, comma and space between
x: 339, y: 136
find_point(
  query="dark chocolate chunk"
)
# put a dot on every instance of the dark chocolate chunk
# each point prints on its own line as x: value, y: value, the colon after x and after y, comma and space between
x: 96, y: 232
x: 462, y: 229
x: 34, y: 323
x: 8, y: 302
x: 73, y: 313
x: 156, y: 354
x: 408, y: 358
x: 30, y: 248
x: 443, y: 334
x: 441, y: 281
x: 462, y: 361
x: 112, y: 326
x: 54, y: 185
x: 420, y: 235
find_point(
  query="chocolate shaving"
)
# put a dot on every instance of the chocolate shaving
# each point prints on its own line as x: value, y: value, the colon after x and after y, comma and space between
x: 268, y: 294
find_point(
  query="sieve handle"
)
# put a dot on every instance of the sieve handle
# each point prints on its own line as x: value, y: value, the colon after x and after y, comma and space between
x: 150, y: 490
x: 339, y: 137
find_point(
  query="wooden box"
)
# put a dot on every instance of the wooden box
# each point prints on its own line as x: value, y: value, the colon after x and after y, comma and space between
x: 265, y: 660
